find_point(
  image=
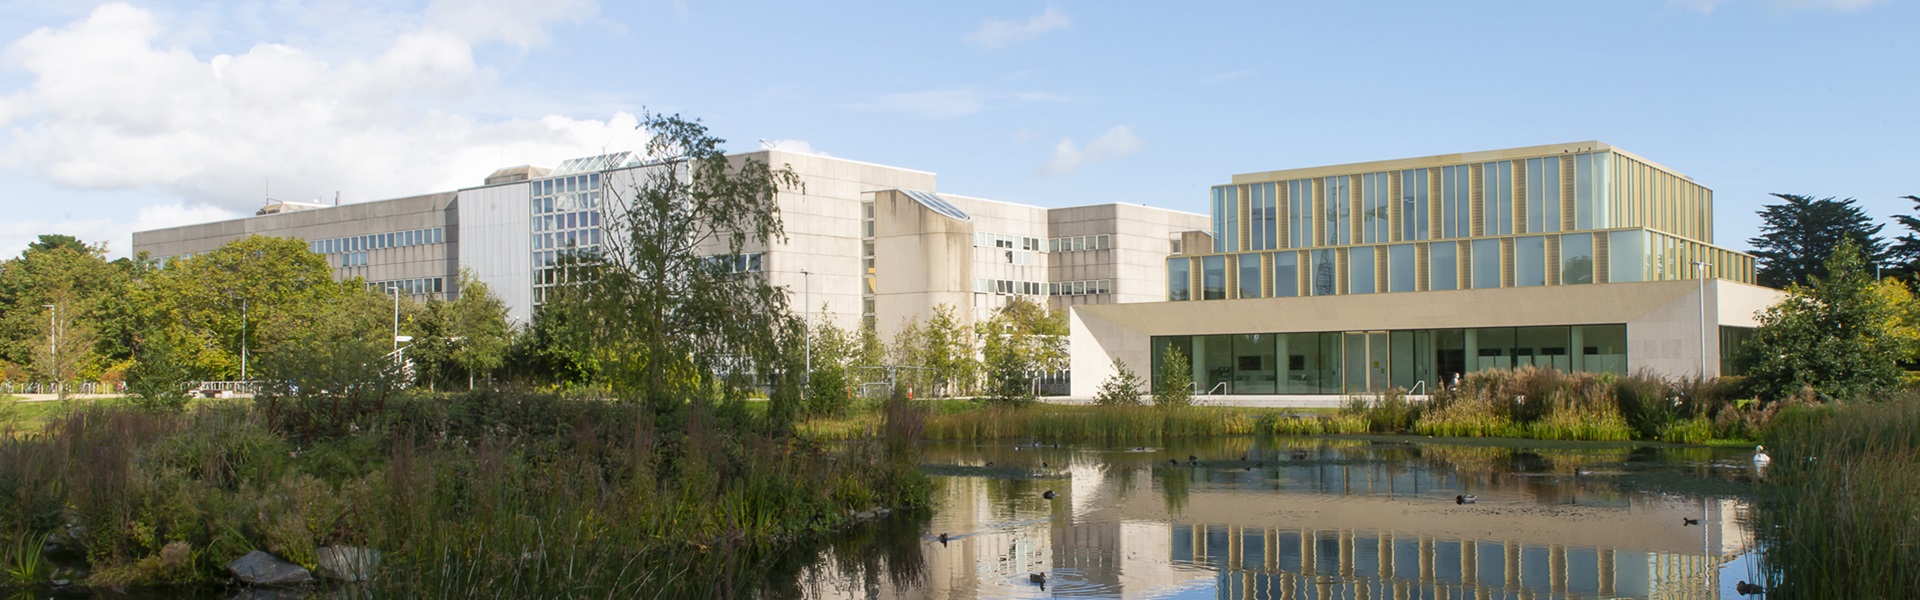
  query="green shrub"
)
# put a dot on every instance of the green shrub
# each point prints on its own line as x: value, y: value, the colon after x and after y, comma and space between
x: 1174, y: 387
x: 1122, y: 388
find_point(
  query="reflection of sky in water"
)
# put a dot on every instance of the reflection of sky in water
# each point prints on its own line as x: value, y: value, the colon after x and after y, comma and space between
x: 1329, y: 519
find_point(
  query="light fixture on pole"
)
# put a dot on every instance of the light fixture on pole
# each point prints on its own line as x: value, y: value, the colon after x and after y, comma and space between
x: 1700, y: 273
x: 806, y: 297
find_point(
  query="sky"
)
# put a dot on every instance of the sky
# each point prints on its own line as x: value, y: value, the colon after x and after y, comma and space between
x: 125, y: 116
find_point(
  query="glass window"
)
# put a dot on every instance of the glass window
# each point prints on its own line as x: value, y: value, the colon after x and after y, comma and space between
x: 1626, y: 251
x: 1375, y: 207
x: 1443, y: 271
x: 1254, y: 367
x: 1456, y: 201
x: 1599, y: 348
x: 1300, y: 213
x: 1576, y: 258
x: 1530, y: 261
x: 1179, y: 279
x: 1261, y: 231
x: 1215, y: 354
x: 1339, y: 210
x: 1360, y: 262
x: 1213, y: 277
x: 1401, y: 267
x: 1544, y: 347
x: 1490, y: 348
x: 1543, y: 194
x: 1496, y: 195
x: 1249, y: 275
x: 1590, y: 191
x: 1413, y: 204
x: 1324, y: 273
x: 1286, y: 274
x: 1486, y: 264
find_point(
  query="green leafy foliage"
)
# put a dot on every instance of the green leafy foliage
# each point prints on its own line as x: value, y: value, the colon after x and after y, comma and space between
x: 160, y: 375
x: 1122, y: 388
x: 1174, y: 388
x: 1022, y: 339
x: 1834, y: 336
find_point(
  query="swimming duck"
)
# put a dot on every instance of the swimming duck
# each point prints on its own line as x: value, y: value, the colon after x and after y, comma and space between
x: 1760, y: 457
x: 1748, y: 589
x: 1049, y: 495
x: 1465, y: 499
x: 943, y: 539
x: 1173, y: 461
x: 1686, y: 522
x: 1040, y: 578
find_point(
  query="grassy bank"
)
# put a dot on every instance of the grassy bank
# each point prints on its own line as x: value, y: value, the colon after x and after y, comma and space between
x: 1840, y: 519
x: 1546, y: 404
x: 481, y: 495
x: 1126, y: 424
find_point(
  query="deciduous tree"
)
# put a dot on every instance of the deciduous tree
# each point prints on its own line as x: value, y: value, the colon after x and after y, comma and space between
x: 1835, y: 335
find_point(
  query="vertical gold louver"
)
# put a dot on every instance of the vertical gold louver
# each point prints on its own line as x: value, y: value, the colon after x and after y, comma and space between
x: 1506, y: 262
x: 1567, y: 219
x: 1380, y: 269
x: 1422, y: 267
x: 1600, y: 263
x: 1553, y: 260
x: 1244, y: 209
x: 1319, y: 211
x: 1394, y: 205
x: 1282, y: 211
x: 1520, y: 197
x: 1341, y: 272
x: 1477, y: 185
x: 1435, y: 209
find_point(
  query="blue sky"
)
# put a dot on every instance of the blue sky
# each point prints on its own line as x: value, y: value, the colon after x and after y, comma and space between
x: 123, y: 116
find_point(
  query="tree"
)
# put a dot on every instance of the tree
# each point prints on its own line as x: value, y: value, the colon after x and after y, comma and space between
x: 1122, y: 388
x: 1834, y: 335
x: 829, y: 386
x: 1023, y: 338
x: 1905, y: 252
x: 160, y: 375
x: 669, y: 279
x: 259, y: 291
x: 66, y: 345
x: 948, y: 352
x: 1800, y: 233
x: 94, y: 290
x: 335, y: 369
x: 479, y: 328
x: 1174, y: 387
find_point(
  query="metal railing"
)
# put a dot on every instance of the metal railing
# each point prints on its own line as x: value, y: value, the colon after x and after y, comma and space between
x: 81, y: 387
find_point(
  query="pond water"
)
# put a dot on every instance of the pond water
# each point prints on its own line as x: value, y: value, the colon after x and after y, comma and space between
x: 1312, y: 518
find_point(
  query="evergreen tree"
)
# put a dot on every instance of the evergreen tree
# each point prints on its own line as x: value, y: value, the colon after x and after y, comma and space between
x: 1122, y: 388
x: 1174, y: 387
x: 1799, y: 234
x: 1905, y: 259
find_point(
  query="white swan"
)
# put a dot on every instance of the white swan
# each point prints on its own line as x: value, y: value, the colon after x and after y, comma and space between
x: 1760, y: 457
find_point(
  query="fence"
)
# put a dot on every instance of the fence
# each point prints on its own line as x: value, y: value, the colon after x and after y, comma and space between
x: 83, y: 387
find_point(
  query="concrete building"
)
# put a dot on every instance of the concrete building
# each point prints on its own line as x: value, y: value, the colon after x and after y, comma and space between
x: 1354, y: 278
x: 862, y: 241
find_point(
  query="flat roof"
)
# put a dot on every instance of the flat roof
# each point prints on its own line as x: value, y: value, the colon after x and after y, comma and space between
x: 1437, y: 160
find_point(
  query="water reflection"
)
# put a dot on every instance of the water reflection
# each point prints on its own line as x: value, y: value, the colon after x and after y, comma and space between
x: 1313, y: 519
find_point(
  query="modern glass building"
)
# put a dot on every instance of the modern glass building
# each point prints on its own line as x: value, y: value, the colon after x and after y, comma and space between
x: 1291, y: 248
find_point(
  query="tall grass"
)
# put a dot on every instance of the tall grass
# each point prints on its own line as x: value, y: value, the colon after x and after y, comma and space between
x: 1548, y: 404
x: 1840, y: 519
x: 477, y: 495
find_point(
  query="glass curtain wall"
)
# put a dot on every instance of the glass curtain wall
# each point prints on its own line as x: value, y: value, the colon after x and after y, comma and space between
x: 1354, y: 362
x: 1249, y: 275
x: 1401, y: 268
x: 1324, y: 275
x: 1263, y: 210
x: 1496, y: 194
x: 1576, y: 258
x: 1443, y: 272
x: 1456, y: 201
x: 1339, y: 207
x: 1530, y: 261
x: 1360, y: 262
x: 1376, y: 206
x: 1213, y: 278
x: 1413, y: 204
x: 1179, y: 279
x: 1486, y: 264
x: 1286, y: 274
x: 1543, y: 194
x: 1300, y: 213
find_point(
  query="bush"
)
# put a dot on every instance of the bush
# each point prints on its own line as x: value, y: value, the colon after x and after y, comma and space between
x: 1388, y: 412
x: 1174, y: 387
x: 160, y: 377
x: 1122, y: 388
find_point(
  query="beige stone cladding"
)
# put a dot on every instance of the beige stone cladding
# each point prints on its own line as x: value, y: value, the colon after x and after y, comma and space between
x: 1134, y: 259
x: 1663, y: 319
x: 402, y: 262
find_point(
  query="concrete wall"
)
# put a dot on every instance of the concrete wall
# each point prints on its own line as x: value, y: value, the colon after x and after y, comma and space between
x: 1137, y: 261
x: 925, y: 259
x: 1662, y: 318
x: 823, y: 224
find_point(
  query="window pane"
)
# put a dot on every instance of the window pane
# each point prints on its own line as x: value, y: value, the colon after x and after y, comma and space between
x: 1286, y: 274
x: 1626, y: 252
x: 1401, y: 268
x: 1599, y: 348
x: 1444, y: 271
x: 1179, y: 279
x: 1576, y: 258
x: 1249, y: 275
x: 1530, y: 261
x: 1323, y: 275
x: 1360, y: 263
x: 1253, y: 364
x: 1486, y: 264
x: 1213, y: 278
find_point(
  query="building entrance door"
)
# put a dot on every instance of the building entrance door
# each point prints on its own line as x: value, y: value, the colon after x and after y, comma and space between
x: 1367, y: 362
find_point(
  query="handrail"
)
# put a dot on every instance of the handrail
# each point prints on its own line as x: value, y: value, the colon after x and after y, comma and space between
x: 1418, y: 386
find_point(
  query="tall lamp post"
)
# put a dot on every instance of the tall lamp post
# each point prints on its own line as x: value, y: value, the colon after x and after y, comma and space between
x: 806, y: 296
x: 1700, y: 273
x: 53, y: 344
x: 243, y: 342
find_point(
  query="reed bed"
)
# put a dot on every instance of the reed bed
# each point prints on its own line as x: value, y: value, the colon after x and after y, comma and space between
x: 1840, y: 520
x: 1130, y: 424
x: 480, y: 495
x: 1547, y: 404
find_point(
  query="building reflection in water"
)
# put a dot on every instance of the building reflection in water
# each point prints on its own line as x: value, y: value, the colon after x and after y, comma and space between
x: 1356, y: 523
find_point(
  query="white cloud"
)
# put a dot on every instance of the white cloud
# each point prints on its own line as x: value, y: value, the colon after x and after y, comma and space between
x: 116, y: 234
x: 516, y: 22
x: 1115, y: 143
x: 111, y: 102
x: 996, y: 33
x: 954, y: 102
x: 794, y: 146
x: 1706, y: 7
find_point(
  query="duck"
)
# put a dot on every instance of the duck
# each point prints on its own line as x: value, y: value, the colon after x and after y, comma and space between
x: 1049, y: 495
x: 1299, y: 455
x: 943, y: 538
x: 989, y: 464
x: 1760, y: 457
x: 1043, y: 465
x: 1465, y: 499
x: 1686, y: 522
x: 1748, y: 589
x: 1040, y: 578
x: 1192, y: 458
x: 1173, y: 461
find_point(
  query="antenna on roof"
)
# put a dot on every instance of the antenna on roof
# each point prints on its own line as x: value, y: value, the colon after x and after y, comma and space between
x: 336, y: 197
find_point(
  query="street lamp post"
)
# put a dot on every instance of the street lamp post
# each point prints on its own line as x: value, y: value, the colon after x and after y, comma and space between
x: 1700, y: 273
x: 53, y: 344
x: 806, y: 296
x: 243, y: 342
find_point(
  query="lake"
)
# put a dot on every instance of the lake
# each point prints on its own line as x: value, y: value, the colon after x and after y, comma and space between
x: 1310, y: 518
